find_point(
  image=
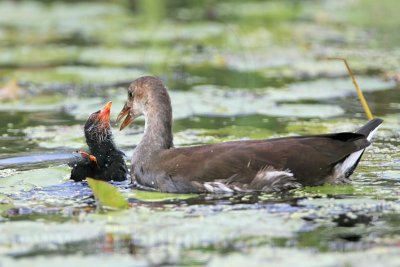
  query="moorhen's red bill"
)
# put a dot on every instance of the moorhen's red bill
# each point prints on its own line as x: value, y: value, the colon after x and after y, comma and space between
x: 254, y: 165
x: 104, y: 161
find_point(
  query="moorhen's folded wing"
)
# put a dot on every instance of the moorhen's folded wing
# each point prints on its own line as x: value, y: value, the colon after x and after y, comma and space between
x: 236, y: 164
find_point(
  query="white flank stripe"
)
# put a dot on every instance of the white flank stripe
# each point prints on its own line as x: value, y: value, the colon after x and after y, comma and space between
x: 216, y: 187
x: 274, y: 174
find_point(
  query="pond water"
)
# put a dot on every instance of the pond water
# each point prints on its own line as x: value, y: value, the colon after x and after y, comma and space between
x: 235, y: 70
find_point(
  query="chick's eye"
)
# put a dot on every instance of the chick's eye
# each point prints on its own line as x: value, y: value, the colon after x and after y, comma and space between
x: 130, y: 94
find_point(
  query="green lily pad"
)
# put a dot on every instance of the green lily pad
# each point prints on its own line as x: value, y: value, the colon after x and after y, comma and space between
x: 328, y: 88
x: 37, y: 56
x: 330, y: 190
x: 26, y: 180
x: 57, y: 136
x: 303, y: 111
x: 68, y: 74
x: 19, y: 237
x: 127, y: 57
x: 107, y: 194
x: 209, y: 100
x: 159, y: 196
x: 301, y: 257
x: 361, y: 203
x: 51, y: 102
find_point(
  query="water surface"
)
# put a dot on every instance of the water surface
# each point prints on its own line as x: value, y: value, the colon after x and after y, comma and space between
x: 235, y: 70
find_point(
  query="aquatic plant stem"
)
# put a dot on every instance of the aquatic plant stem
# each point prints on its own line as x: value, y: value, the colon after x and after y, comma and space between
x: 359, y: 92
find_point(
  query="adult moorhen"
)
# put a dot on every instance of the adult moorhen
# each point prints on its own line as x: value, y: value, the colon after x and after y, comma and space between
x: 104, y: 161
x: 251, y: 165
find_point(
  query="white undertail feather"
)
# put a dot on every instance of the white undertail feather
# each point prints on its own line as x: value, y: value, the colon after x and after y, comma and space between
x: 372, y: 133
x: 353, y: 158
x: 349, y: 162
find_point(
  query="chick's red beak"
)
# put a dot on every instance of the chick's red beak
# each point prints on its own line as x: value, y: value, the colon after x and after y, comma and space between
x: 104, y: 115
x: 125, y: 112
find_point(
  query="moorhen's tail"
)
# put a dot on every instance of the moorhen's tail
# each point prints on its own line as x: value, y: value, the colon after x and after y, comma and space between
x: 351, y: 162
x: 369, y: 129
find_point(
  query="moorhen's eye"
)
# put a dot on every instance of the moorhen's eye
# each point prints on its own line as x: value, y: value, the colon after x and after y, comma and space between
x: 130, y: 94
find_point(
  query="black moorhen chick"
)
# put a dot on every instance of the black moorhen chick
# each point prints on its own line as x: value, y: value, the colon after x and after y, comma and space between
x: 251, y: 165
x: 104, y: 161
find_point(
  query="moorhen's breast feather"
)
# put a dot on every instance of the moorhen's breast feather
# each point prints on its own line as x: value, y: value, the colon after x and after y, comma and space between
x: 114, y: 167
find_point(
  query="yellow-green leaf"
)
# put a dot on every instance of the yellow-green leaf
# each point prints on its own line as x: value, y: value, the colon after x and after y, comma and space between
x: 328, y: 189
x: 107, y: 194
x: 159, y: 196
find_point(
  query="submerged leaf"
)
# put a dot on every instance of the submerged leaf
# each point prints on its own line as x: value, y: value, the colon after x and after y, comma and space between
x: 159, y: 196
x: 107, y: 194
x: 328, y: 189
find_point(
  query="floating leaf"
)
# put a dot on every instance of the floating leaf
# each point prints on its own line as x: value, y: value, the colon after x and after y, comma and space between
x: 18, y: 181
x: 56, y: 136
x: 159, y: 196
x: 107, y: 194
x: 330, y: 189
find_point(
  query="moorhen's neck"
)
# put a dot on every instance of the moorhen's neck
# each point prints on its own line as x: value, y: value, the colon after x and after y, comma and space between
x: 158, y: 123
